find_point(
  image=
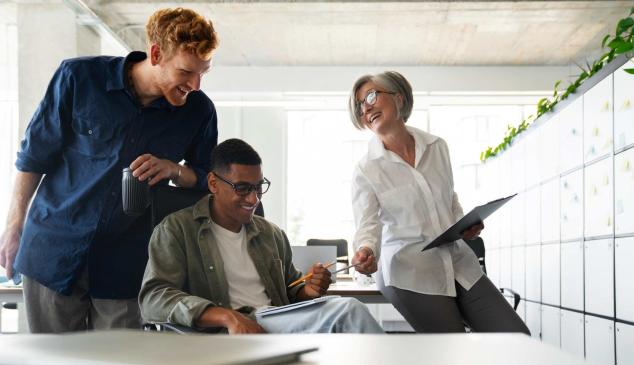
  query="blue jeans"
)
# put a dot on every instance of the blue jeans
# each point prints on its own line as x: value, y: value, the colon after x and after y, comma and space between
x: 336, y: 315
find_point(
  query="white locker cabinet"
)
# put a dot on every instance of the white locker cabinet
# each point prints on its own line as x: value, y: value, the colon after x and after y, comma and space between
x: 599, y: 340
x: 518, y: 165
x: 506, y: 221
x: 505, y: 265
x: 532, y: 216
x: 518, y: 268
x: 518, y: 214
x: 572, y: 332
x: 572, y: 275
x: 597, y: 120
x: 521, y: 310
x: 505, y: 164
x: 550, y: 211
x: 550, y: 325
x: 624, y: 344
x: 624, y: 272
x: 533, y: 319
x: 571, y: 205
x: 623, y: 107
x: 533, y: 273
x: 571, y: 136
x: 624, y: 192
x: 598, y: 199
x: 550, y: 274
x: 599, y: 277
x: 491, y: 235
x: 549, y: 149
x: 532, y: 157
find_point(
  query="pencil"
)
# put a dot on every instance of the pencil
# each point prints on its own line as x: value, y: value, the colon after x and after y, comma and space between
x: 308, y: 276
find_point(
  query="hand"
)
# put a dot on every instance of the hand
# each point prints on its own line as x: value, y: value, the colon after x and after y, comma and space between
x: 9, y: 243
x: 473, y: 232
x: 318, y: 284
x: 365, y: 261
x: 149, y: 166
x: 241, y: 324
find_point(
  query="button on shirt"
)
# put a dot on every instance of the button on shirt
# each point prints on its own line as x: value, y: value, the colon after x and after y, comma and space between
x: 85, y: 131
x: 399, y: 209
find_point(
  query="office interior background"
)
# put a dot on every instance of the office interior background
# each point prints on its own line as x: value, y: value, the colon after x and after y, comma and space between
x: 280, y: 81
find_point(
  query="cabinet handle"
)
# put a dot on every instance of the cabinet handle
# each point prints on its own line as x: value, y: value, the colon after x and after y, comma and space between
x: 595, y: 131
x: 626, y: 165
x: 606, y: 105
x: 606, y: 180
x: 626, y: 104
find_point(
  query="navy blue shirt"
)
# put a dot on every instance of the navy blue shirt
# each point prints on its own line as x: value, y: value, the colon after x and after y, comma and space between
x: 85, y: 131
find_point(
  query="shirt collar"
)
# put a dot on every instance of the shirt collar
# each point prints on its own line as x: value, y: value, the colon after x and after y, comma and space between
x: 117, y: 77
x: 422, y: 139
x: 202, y: 211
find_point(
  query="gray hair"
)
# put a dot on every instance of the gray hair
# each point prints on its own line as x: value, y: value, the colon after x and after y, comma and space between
x: 392, y: 81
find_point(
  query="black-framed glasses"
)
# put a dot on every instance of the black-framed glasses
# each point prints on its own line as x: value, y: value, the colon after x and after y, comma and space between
x: 244, y: 189
x: 370, y: 99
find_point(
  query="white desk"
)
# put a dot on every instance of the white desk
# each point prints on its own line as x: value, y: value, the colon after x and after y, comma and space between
x: 14, y: 295
x: 368, y: 294
x: 346, y: 349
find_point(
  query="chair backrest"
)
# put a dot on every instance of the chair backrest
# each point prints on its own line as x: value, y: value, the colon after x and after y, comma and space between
x: 169, y: 199
x: 477, y: 245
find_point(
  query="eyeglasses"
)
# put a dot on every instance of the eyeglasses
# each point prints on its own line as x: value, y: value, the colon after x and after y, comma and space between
x: 370, y: 99
x: 244, y: 189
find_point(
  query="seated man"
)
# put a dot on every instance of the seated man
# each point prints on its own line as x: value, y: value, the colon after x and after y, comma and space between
x: 214, y: 264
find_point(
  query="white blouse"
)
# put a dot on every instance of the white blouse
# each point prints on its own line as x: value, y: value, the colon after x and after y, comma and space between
x: 399, y: 209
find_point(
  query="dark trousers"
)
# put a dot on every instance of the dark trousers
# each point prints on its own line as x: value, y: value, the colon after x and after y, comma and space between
x: 482, y: 308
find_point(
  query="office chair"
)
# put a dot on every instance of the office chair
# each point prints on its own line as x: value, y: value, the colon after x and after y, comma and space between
x: 164, y: 201
x: 342, y: 248
x: 477, y: 245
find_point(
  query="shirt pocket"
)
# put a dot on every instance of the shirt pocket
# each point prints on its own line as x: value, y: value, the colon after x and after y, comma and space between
x: 92, y: 137
x: 404, y: 205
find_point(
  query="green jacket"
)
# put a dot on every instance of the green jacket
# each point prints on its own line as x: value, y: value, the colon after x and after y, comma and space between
x: 185, y: 273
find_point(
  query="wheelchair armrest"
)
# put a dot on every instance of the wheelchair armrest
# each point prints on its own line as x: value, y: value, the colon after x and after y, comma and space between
x: 516, y: 297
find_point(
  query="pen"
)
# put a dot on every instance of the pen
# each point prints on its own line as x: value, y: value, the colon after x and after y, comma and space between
x: 308, y: 276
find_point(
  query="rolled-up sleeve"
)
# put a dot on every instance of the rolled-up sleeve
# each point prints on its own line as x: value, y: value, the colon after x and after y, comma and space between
x: 161, y: 297
x: 198, y: 155
x: 365, y: 209
x: 41, y: 148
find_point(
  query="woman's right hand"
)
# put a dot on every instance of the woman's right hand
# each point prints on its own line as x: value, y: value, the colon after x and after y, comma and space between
x: 365, y: 261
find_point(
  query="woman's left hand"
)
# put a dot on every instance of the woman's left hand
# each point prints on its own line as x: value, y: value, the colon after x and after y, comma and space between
x: 473, y: 232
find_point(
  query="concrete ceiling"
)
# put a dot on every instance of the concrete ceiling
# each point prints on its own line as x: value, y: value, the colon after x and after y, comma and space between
x: 378, y: 33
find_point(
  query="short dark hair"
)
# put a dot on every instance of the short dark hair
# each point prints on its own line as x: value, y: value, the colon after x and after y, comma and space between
x: 233, y: 151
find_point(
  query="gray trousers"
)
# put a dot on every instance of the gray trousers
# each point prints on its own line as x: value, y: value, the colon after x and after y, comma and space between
x: 482, y: 308
x: 50, y: 312
x: 336, y: 315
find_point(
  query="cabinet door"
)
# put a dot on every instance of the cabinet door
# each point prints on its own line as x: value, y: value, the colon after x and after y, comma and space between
x: 550, y: 211
x: 572, y: 275
x: 599, y: 277
x: 571, y: 200
x: 623, y: 107
x: 519, y: 270
x: 571, y: 136
x: 518, y: 214
x: 597, y: 119
x: 532, y: 157
x: 506, y: 222
x: 533, y: 273
x: 624, y: 341
x: 572, y: 332
x: 550, y: 325
x: 624, y: 192
x: 518, y: 165
x: 550, y: 274
x: 624, y: 272
x: 505, y: 265
x: 549, y: 148
x: 533, y: 319
x: 599, y: 199
x: 599, y: 340
x: 532, y: 216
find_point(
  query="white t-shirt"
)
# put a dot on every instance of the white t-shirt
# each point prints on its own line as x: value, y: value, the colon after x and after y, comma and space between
x: 399, y: 209
x: 245, y: 284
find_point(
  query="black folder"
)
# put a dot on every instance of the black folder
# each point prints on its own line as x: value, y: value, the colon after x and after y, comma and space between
x: 475, y: 216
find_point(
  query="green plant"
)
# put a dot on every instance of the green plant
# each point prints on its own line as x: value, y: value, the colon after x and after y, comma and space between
x: 622, y: 42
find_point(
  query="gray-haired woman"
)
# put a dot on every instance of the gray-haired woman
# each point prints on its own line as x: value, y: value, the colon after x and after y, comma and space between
x: 403, y: 196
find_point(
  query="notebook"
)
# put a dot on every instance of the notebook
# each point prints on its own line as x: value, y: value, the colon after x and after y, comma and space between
x: 305, y: 256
